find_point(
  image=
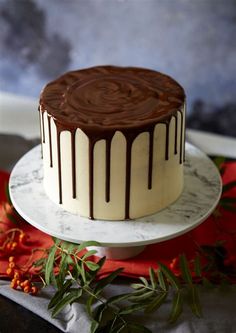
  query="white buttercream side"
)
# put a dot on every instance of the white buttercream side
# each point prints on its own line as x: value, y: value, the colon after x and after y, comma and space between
x: 167, y: 177
x: 51, y: 184
x: 114, y: 209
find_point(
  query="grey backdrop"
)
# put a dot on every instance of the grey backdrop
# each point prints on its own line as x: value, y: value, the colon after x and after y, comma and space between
x: 192, y: 40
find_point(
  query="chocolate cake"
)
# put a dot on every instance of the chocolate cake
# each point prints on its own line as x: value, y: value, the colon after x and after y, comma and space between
x: 113, y: 141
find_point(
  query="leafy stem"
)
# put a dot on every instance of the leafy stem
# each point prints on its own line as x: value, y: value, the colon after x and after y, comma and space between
x: 75, y: 275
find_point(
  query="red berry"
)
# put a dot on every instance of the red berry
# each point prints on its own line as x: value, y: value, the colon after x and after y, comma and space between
x: 27, y: 289
x: 17, y: 275
x: 22, y: 238
x: 14, y: 284
x: 34, y: 290
x: 18, y: 282
x: 26, y: 283
x: 14, y: 246
x: 11, y: 264
x: 10, y: 271
x: 8, y: 246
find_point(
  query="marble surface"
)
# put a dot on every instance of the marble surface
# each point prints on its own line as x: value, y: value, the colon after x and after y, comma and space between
x: 201, y: 193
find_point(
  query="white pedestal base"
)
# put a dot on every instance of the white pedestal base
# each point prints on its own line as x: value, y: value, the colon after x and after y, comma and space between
x: 117, y: 253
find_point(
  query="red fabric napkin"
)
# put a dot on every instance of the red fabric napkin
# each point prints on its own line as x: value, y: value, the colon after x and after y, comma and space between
x: 221, y: 228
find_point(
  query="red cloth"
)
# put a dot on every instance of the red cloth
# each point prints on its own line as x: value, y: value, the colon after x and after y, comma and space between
x: 208, y: 233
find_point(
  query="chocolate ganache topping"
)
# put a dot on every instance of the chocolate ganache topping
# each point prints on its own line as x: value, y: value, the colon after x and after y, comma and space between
x: 109, y: 97
x: 105, y: 99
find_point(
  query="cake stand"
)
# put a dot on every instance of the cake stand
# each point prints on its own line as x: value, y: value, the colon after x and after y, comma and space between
x: 118, y: 239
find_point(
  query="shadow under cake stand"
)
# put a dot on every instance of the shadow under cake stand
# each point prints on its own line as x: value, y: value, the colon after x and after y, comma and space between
x: 118, y: 239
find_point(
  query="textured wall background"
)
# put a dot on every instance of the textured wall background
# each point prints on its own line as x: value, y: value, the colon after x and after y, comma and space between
x: 193, y: 41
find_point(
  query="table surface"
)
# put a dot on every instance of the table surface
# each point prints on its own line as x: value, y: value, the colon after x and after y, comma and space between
x: 19, y: 128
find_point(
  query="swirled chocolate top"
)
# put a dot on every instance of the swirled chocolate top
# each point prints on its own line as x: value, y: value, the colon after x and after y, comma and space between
x: 108, y: 98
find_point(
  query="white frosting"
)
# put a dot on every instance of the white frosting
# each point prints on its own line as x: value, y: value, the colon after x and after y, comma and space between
x: 167, y: 176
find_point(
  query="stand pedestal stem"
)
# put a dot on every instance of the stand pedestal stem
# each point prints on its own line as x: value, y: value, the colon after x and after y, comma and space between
x: 117, y: 253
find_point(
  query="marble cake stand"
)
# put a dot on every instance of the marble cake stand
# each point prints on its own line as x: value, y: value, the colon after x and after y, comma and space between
x: 118, y: 239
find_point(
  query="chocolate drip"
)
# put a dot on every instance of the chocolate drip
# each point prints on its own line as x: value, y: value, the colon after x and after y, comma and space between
x: 40, y: 128
x: 72, y: 132
x: 167, y: 140
x: 184, y: 140
x: 43, y: 129
x: 50, y: 139
x: 128, y: 177
x: 181, y: 139
x: 150, y: 160
x: 59, y: 163
x: 91, y: 176
x: 108, y: 169
x: 176, y: 132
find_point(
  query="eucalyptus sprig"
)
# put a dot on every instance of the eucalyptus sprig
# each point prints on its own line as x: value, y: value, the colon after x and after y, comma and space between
x: 74, y: 276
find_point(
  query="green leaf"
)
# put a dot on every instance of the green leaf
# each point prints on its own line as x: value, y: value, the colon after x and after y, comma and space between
x: 73, y: 296
x: 101, y: 262
x: 57, y: 241
x: 77, y: 270
x: 62, y: 269
x: 177, y: 307
x: 49, y: 265
x: 6, y: 190
x: 92, y: 274
x: 229, y: 207
x: 83, y: 245
x: 139, y: 291
x: 59, y: 294
x: 39, y: 262
x: 197, y: 266
x: 69, y: 260
x: 118, y: 298
x: 88, y: 254
x: 162, y: 280
x: 99, y: 312
x: 157, y: 302
x: 68, y: 246
x: 185, y: 271
x: 228, y: 186
x: 121, y: 328
x: 107, y: 280
x: 11, y: 218
x: 118, y: 328
x: 89, y: 304
x: 132, y: 308
x: 145, y: 282
x: 206, y: 283
x: 141, y: 298
x: 92, y: 265
x: 137, y: 285
x: 94, y: 326
x: 135, y: 327
x: 194, y: 301
x: 83, y: 273
x: 219, y: 160
x: 228, y: 200
x: 170, y: 276
x: 153, y: 277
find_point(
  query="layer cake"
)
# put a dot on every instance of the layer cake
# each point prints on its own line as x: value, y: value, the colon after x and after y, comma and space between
x: 113, y: 141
